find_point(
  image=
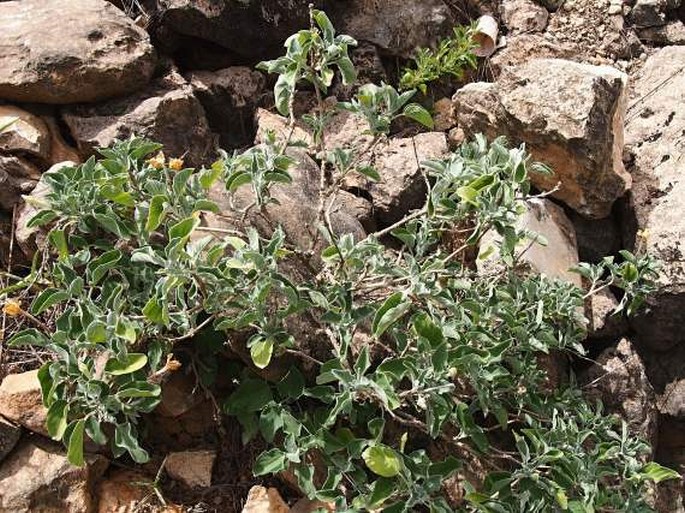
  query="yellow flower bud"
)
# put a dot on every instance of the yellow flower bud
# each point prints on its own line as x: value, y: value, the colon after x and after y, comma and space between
x: 172, y: 364
x: 176, y: 164
x: 12, y: 308
x: 157, y: 161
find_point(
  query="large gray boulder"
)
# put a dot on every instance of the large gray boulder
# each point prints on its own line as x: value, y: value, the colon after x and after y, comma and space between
x: 401, y: 187
x: 229, y: 97
x: 17, y: 177
x: 569, y: 115
x: 258, y: 29
x: 53, y: 51
x: 166, y: 111
x: 654, y: 137
x: 39, y: 478
x: 619, y: 380
x: 21, y: 401
x: 554, y: 258
x: 248, y: 29
x: 397, y: 28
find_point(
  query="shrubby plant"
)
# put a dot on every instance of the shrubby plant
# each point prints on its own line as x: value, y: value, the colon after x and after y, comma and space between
x: 452, y: 56
x: 421, y: 364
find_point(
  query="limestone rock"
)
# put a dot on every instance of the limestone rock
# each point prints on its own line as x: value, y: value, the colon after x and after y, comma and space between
x: 570, y: 116
x: 17, y: 177
x: 524, y: 16
x: 28, y: 134
x: 552, y: 260
x: 120, y: 493
x: 80, y: 51
x: 28, y: 238
x: 166, y: 112
x: 248, y: 29
x: 309, y: 506
x: 672, y: 400
x: 298, y: 206
x: 343, y: 130
x: 599, y: 311
x: 21, y: 401
x: 654, y: 131
x: 9, y: 436
x: 41, y: 479
x: 401, y: 187
x: 597, y: 238
x: 60, y: 150
x: 521, y: 48
x: 673, y: 33
x: 397, y: 28
x: 229, y: 97
x: 192, y: 468
x: 296, y: 211
x: 179, y: 395
x: 263, y: 500
x: 649, y: 13
x: 618, y: 379
x: 443, y: 115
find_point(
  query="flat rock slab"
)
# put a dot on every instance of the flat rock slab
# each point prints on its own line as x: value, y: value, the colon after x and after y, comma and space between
x: 569, y: 115
x: 40, y: 478
x: 52, y: 51
x: 166, y: 111
x: 654, y: 137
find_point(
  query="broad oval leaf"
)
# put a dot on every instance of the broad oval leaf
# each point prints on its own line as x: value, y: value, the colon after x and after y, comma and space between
x: 261, y: 352
x: 134, y: 362
x: 75, y: 446
x: 417, y: 113
x: 382, y: 460
x: 269, y: 462
x: 47, y: 299
x: 390, y: 312
x: 56, y: 420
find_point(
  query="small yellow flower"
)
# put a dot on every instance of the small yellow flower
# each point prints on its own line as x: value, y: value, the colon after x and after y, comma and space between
x: 643, y: 234
x: 176, y: 164
x: 12, y: 308
x: 171, y: 364
x: 157, y: 161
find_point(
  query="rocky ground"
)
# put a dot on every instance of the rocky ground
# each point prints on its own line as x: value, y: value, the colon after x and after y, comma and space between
x: 595, y: 88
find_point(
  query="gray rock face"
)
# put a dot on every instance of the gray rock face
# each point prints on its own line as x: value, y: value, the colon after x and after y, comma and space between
x: 397, y: 28
x: 618, y: 379
x: 68, y: 52
x: 650, y: 13
x: 9, y: 436
x: 524, y: 16
x: 40, y: 478
x: 296, y: 211
x: 27, y: 134
x: 249, y: 29
x: 21, y: 402
x: 166, y: 112
x: 673, y: 33
x: 654, y: 129
x: 17, y: 177
x: 401, y: 188
x: 524, y: 47
x: 603, y: 323
x: 554, y: 259
x: 569, y: 115
x: 192, y: 468
x: 229, y: 97
x: 255, y: 29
